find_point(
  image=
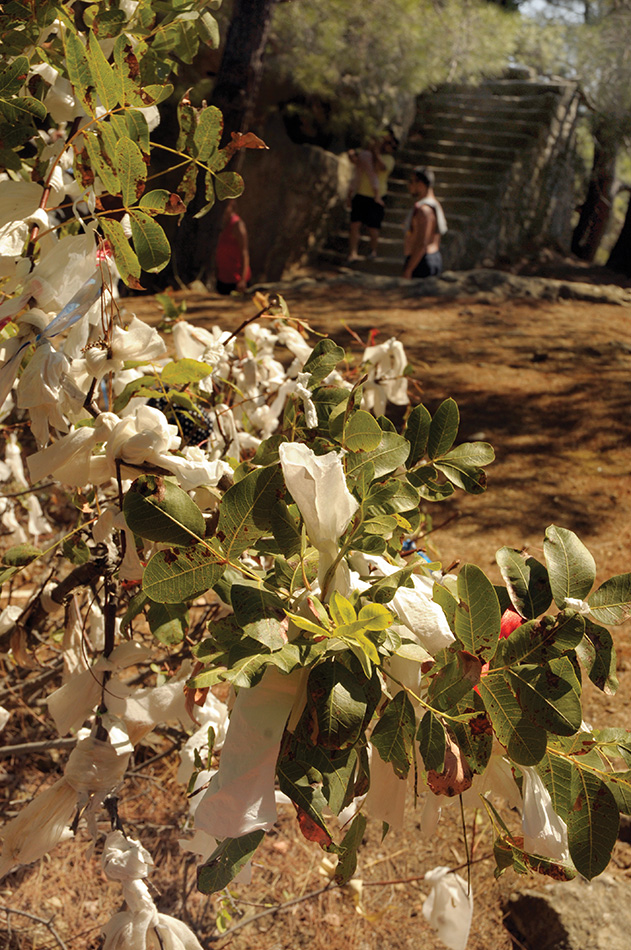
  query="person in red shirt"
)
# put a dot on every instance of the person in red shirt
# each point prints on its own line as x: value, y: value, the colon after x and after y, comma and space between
x: 232, y: 258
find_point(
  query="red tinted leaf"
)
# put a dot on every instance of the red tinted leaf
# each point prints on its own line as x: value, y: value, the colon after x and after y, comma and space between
x: 310, y: 830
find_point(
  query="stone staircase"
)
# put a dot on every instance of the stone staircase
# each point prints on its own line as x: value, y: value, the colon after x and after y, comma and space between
x: 502, y: 153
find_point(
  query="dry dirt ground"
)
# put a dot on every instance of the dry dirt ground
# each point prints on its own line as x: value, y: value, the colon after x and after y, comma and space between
x: 547, y: 383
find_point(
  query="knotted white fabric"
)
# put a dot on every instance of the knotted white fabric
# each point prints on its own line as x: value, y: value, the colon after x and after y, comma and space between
x: 449, y: 907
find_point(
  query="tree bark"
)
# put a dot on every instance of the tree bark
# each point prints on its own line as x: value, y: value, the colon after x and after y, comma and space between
x: 235, y: 93
x: 620, y: 258
x: 596, y: 208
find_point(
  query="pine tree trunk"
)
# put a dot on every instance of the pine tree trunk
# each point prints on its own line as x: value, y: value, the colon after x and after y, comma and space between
x: 235, y: 93
x: 620, y: 258
x: 596, y: 209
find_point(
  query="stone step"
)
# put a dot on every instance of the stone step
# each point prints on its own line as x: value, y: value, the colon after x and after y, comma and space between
x: 466, y: 206
x: 481, y: 110
x: 519, y: 88
x: 455, y: 150
x: 456, y: 188
x: 442, y: 125
x: 505, y: 136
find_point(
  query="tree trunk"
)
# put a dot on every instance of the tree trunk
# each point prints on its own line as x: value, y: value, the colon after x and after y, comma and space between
x: 596, y: 208
x: 235, y: 93
x: 620, y: 258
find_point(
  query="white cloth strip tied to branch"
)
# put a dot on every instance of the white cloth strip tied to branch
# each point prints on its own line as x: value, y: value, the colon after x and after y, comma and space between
x: 240, y: 798
x: 141, y: 926
x: 449, y: 907
x: 94, y: 768
x: 544, y: 832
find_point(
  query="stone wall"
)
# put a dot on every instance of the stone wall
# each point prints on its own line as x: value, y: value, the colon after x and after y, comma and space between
x: 290, y: 192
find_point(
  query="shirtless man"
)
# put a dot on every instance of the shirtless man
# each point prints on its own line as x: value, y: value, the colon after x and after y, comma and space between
x: 424, y: 229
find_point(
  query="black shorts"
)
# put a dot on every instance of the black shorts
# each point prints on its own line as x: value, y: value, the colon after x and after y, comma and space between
x: 223, y: 288
x: 367, y: 211
x: 430, y: 265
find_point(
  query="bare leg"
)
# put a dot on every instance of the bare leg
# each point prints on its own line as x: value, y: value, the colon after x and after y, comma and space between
x: 374, y: 240
x: 353, y: 241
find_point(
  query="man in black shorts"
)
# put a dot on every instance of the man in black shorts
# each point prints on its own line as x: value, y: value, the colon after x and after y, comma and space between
x: 374, y: 166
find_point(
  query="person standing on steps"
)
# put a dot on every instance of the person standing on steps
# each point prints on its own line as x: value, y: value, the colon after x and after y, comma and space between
x: 373, y: 167
x: 232, y: 257
x: 424, y: 227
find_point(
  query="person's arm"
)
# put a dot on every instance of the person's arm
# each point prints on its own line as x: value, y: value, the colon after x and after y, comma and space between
x: 419, y: 239
x: 242, y: 235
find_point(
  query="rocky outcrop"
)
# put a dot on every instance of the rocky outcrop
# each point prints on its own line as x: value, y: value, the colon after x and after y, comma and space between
x: 575, y: 916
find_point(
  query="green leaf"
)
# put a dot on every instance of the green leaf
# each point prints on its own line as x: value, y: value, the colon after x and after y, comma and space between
x: 426, y: 480
x: 19, y: 555
x: 477, y: 620
x: 128, y: 69
x: 161, y: 201
x: 619, y: 784
x: 294, y: 780
x: 432, y: 742
x: 76, y: 550
x: 417, y: 434
x: 592, y: 823
x: 137, y: 129
x: 99, y: 165
x: 611, y: 603
x: 285, y: 529
x: 159, y: 510
x: 245, y: 509
x: 79, y: 71
x: 337, y: 705
x: 347, y: 864
x: 252, y: 602
x: 208, y: 133
x: 168, y: 622
x: 126, y: 259
x: 540, y: 641
x: 526, y: 580
x: 391, y: 452
x: 177, y: 575
x: 445, y: 599
x: 132, y: 172
x: 109, y: 91
x: 474, y: 735
x: 454, y: 680
x: 524, y: 742
x: 393, y: 495
x: 13, y: 75
x: 393, y: 735
x: 384, y: 588
x: 571, y: 567
x: 443, y: 429
x: 226, y: 861
x: 136, y: 605
x: 228, y: 185
x: 547, y: 695
x: 463, y: 466
x: 186, y: 371
x: 323, y: 359
x: 598, y: 655
x: 362, y: 432
x: 150, y: 242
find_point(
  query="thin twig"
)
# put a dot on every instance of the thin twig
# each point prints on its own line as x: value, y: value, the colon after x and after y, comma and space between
x: 279, y: 908
x: 41, y: 745
x: 28, y: 491
x: 421, y: 877
x: 40, y: 920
